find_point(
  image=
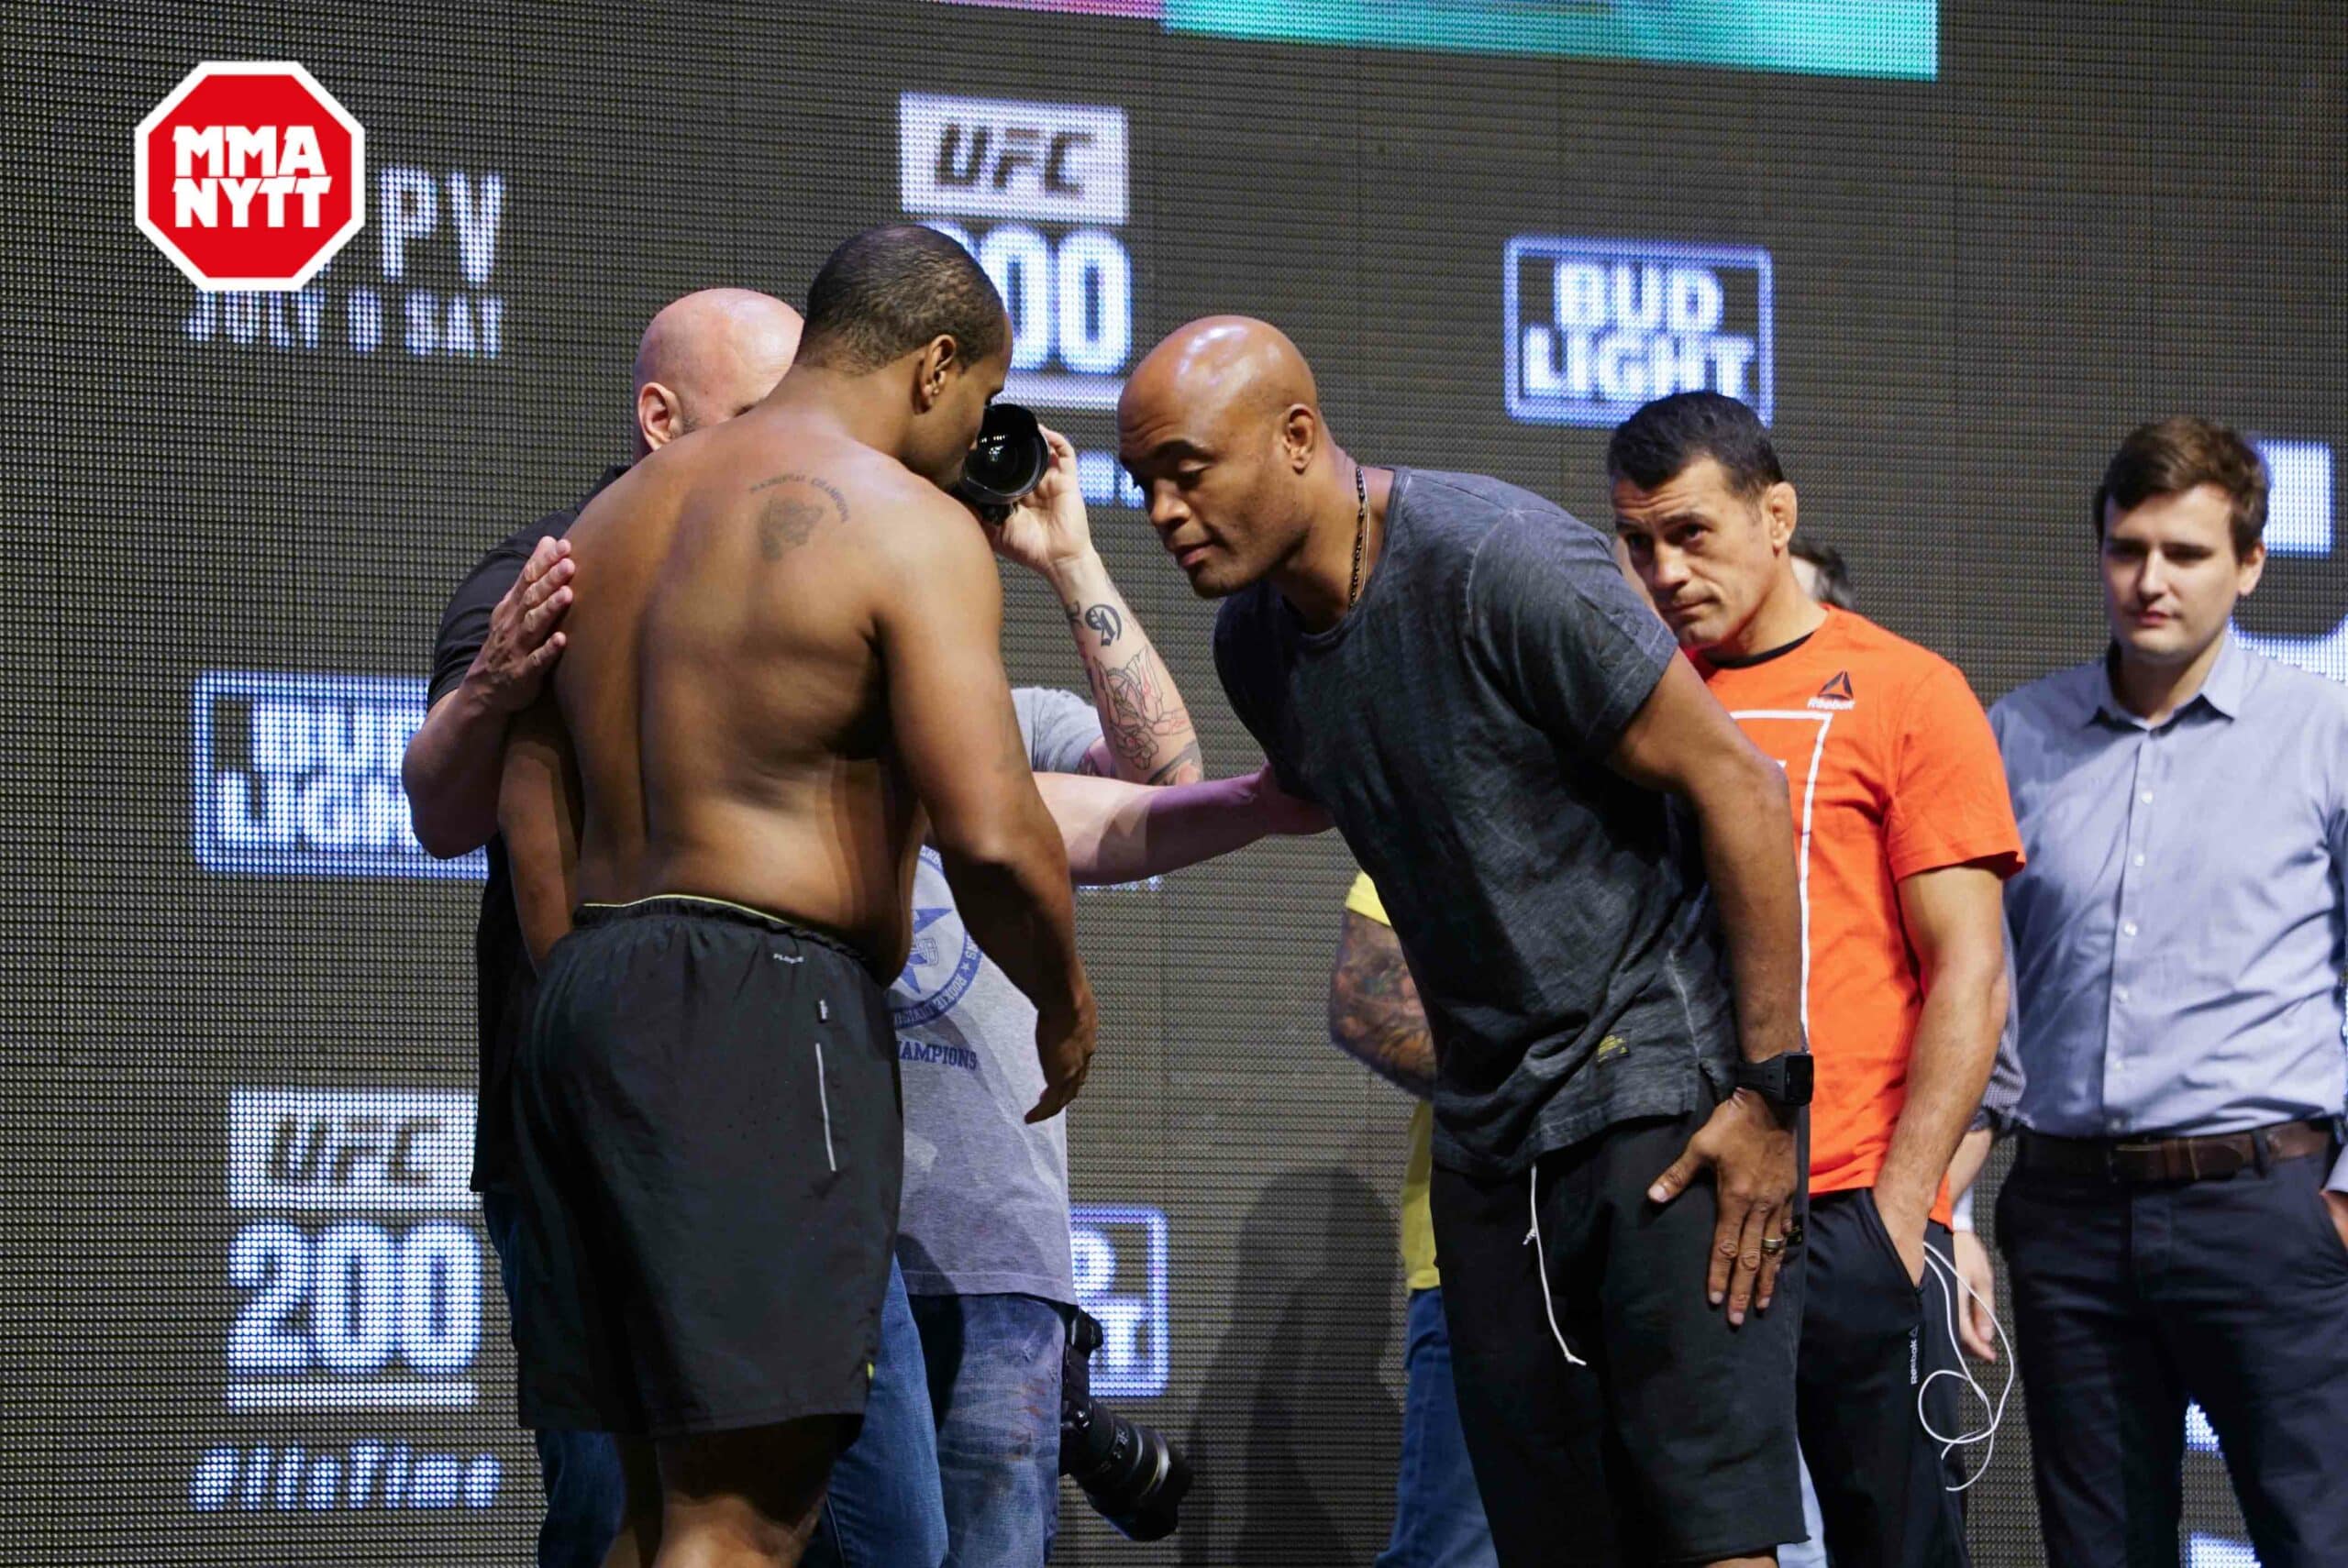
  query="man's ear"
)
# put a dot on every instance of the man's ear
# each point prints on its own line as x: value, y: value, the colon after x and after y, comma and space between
x: 939, y: 361
x: 1300, y: 437
x: 2252, y: 566
x: 1781, y: 508
x: 659, y: 415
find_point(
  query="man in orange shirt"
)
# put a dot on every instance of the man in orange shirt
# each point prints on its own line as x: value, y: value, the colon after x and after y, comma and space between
x: 1905, y: 837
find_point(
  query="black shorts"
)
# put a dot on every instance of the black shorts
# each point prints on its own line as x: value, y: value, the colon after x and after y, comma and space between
x: 708, y: 1150
x: 1676, y: 1441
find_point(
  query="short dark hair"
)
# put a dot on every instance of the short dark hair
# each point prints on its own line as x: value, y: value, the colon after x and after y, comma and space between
x: 2169, y: 456
x: 889, y: 291
x: 1656, y: 444
x: 1833, y: 573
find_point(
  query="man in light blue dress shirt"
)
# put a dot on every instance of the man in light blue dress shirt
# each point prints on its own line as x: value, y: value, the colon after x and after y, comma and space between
x: 2177, y: 1225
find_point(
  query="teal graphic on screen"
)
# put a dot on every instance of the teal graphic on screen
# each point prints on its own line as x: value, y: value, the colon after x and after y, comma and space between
x: 1827, y: 38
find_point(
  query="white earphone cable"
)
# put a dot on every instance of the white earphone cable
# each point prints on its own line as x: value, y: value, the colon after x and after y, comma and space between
x: 1952, y: 1280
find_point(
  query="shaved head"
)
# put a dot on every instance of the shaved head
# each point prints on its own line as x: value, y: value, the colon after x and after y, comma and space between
x: 1221, y: 426
x: 1219, y: 366
x: 708, y: 357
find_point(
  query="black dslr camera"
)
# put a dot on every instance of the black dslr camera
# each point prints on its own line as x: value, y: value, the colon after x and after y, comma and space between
x: 1130, y: 1473
x: 1009, y: 458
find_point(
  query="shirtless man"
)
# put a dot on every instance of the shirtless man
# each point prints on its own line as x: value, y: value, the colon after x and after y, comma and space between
x: 782, y: 668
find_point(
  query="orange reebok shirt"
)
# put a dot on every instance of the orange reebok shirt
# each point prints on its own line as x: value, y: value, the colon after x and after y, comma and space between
x: 1894, y: 771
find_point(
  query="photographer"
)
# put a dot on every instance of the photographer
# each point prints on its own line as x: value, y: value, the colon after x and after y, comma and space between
x: 983, y: 1231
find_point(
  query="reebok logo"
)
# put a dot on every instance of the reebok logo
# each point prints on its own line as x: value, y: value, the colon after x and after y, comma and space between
x: 1836, y: 695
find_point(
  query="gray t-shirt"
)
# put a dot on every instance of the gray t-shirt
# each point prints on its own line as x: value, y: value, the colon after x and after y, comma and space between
x: 1455, y: 725
x: 985, y: 1207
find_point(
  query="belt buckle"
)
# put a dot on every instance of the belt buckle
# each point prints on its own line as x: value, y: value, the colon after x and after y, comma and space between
x: 2148, y: 1148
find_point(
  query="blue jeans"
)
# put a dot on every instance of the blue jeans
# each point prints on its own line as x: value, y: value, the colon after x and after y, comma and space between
x: 884, y: 1508
x: 994, y: 1383
x: 586, y: 1494
x: 1438, y: 1518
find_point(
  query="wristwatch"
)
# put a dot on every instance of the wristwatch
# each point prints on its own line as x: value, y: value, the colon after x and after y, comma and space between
x: 1784, y: 1081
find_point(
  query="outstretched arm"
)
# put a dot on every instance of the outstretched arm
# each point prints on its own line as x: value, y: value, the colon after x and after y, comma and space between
x: 1683, y: 741
x: 1116, y: 832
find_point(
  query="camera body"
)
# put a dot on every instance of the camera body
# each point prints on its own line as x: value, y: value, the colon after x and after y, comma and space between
x: 1133, y: 1477
x: 1009, y: 458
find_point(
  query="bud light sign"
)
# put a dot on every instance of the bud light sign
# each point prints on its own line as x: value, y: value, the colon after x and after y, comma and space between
x: 1598, y: 326
x: 1120, y: 1257
x: 299, y: 775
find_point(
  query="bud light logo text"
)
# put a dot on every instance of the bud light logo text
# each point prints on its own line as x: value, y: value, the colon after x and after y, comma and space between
x: 299, y: 775
x: 1120, y: 1255
x: 1597, y: 327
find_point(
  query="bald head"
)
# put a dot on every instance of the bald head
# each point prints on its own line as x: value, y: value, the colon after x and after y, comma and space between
x: 1218, y: 368
x: 708, y: 357
x: 1221, y: 425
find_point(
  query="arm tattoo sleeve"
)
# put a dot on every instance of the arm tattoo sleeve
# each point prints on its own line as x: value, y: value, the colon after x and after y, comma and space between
x: 1374, y: 1012
x: 1140, y: 710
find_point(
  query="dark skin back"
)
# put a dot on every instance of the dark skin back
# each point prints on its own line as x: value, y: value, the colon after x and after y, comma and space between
x: 787, y: 646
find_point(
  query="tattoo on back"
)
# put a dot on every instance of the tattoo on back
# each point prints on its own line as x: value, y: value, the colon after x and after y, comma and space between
x: 796, y: 505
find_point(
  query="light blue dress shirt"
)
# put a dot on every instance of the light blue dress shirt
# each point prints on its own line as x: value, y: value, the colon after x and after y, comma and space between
x: 2179, y: 934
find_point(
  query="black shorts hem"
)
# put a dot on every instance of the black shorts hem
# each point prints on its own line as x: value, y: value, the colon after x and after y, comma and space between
x: 1739, y: 1546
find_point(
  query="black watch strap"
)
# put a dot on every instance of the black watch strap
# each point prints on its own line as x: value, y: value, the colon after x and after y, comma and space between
x: 1785, y: 1080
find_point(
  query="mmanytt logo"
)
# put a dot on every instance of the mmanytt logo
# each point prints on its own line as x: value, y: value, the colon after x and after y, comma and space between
x: 1595, y: 327
x: 249, y: 175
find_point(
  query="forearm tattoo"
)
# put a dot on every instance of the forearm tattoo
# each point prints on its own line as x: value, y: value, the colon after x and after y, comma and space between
x: 1138, y: 711
x: 1374, y: 1012
x: 1101, y: 618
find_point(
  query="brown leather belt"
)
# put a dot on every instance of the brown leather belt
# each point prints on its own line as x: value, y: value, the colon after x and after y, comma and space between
x: 2143, y: 1162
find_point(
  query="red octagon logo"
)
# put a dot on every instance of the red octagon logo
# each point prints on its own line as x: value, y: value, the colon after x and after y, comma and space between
x: 250, y: 176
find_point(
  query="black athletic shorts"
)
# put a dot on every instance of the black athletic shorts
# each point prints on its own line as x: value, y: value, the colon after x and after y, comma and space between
x: 709, y: 1146
x: 1672, y: 1441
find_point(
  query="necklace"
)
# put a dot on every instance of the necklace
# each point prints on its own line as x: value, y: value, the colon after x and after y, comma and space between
x: 1361, y: 533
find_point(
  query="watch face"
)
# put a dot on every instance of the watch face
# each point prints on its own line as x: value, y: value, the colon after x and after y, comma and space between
x: 1800, y: 1076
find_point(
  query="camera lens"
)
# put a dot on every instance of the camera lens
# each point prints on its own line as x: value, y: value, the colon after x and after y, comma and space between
x: 1008, y: 459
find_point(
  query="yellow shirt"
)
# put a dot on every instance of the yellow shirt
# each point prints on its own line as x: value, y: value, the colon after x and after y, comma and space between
x: 1417, y: 1219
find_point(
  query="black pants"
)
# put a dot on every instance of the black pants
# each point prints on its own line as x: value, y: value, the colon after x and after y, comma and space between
x: 1674, y: 1442
x: 2130, y: 1300
x: 1870, y: 1343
